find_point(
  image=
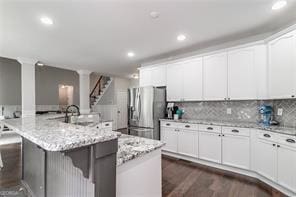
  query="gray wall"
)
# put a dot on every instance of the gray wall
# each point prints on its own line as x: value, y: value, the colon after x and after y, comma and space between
x: 10, y: 82
x: 48, y: 80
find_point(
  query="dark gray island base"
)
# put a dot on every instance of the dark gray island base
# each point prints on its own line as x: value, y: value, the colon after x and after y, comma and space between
x: 68, y: 160
x: 96, y: 163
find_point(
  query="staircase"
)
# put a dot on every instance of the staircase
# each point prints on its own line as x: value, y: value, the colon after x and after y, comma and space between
x: 100, y: 88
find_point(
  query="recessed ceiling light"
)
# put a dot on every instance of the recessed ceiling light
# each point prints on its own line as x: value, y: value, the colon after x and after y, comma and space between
x: 279, y: 4
x: 130, y: 54
x: 46, y: 20
x: 154, y: 14
x: 181, y: 37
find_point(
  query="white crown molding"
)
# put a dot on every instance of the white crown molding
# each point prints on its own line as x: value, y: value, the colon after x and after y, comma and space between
x: 84, y: 72
x: 24, y: 60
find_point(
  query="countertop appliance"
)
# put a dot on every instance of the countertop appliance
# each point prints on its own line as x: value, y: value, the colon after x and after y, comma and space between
x: 146, y: 105
x: 266, y: 114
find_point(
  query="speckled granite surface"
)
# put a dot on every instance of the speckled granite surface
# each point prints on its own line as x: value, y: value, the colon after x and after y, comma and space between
x: 54, y: 135
x: 131, y: 147
x: 277, y: 129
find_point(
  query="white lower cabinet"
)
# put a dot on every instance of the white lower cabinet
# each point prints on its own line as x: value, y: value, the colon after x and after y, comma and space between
x: 170, y: 137
x: 273, y: 155
x: 266, y: 159
x: 236, y: 151
x: 286, y: 169
x: 187, y: 142
x: 209, y: 146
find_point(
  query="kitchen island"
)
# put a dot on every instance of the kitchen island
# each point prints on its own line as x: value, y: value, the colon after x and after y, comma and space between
x: 61, y: 159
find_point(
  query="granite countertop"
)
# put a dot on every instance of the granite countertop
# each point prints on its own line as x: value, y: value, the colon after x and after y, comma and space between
x: 51, y: 134
x: 131, y: 147
x: 276, y: 129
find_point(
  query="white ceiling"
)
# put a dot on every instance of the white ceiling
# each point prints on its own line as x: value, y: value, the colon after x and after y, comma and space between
x: 96, y: 35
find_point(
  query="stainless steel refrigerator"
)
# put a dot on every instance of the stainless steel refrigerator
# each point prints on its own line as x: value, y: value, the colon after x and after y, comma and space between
x: 146, y: 105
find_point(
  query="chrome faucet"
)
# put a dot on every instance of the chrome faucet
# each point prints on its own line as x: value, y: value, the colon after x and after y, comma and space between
x: 67, y: 111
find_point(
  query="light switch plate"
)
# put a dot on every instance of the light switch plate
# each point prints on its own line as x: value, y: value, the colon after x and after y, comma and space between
x: 280, y: 111
x: 228, y: 111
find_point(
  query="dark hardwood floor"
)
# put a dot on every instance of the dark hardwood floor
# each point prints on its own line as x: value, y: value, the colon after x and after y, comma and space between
x: 186, y: 179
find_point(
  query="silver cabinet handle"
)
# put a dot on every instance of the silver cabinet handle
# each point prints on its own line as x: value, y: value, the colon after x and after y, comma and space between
x: 290, y: 141
x: 235, y: 131
x: 267, y: 135
x: 210, y: 128
x: 187, y: 126
x: 107, y: 125
x: 167, y: 124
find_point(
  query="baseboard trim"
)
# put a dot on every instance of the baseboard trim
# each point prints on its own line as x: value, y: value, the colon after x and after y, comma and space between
x: 247, y: 173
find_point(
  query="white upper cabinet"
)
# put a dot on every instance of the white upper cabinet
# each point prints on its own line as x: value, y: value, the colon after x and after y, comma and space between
x: 174, y: 82
x: 282, y: 62
x: 192, y: 80
x: 215, y: 77
x: 242, y: 67
x: 145, y: 77
x: 184, y: 80
x: 153, y: 76
x: 158, y: 76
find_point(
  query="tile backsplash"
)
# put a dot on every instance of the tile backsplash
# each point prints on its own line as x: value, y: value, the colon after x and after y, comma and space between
x: 243, y: 111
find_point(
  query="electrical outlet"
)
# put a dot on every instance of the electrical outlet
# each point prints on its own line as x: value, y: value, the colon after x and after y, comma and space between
x: 280, y: 111
x: 228, y: 111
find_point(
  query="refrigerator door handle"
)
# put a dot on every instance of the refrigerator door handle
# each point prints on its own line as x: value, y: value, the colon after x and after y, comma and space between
x: 140, y: 107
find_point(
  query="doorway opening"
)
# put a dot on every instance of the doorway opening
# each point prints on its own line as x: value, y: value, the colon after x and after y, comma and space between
x: 65, y: 96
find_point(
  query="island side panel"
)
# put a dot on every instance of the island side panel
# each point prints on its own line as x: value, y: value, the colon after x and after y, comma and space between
x: 34, y: 168
x: 64, y: 179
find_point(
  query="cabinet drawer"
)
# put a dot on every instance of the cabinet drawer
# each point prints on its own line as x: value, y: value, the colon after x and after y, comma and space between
x: 106, y: 124
x: 236, y: 131
x: 210, y: 128
x: 266, y: 135
x: 287, y: 140
x: 189, y: 126
x: 170, y: 124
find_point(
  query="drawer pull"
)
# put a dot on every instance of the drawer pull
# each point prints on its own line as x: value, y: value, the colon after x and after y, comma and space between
x: 168, y: 124
x: 210, y: 128
x: 235, y: 131
x: 187, y: 126
x: 107, y: 125
x: 290, y: 140
x: 267, y: 135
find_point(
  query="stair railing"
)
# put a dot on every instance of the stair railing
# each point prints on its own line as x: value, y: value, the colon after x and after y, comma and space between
x: 98, y: 84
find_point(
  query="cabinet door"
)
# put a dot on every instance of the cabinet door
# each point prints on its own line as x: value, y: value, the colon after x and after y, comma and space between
x: 145, y: 77
x: 266, y: 156
x: 282, y: 55
x: 187, y: 142
x: 158, y: 76
x: 174, y: 82
x: 209, y: 146
x: 193, y: 74
x: 170, y: 137
x: 241, y: 74
x: 236, y: 151
x: 287, y: 167
x: 215, y: 77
